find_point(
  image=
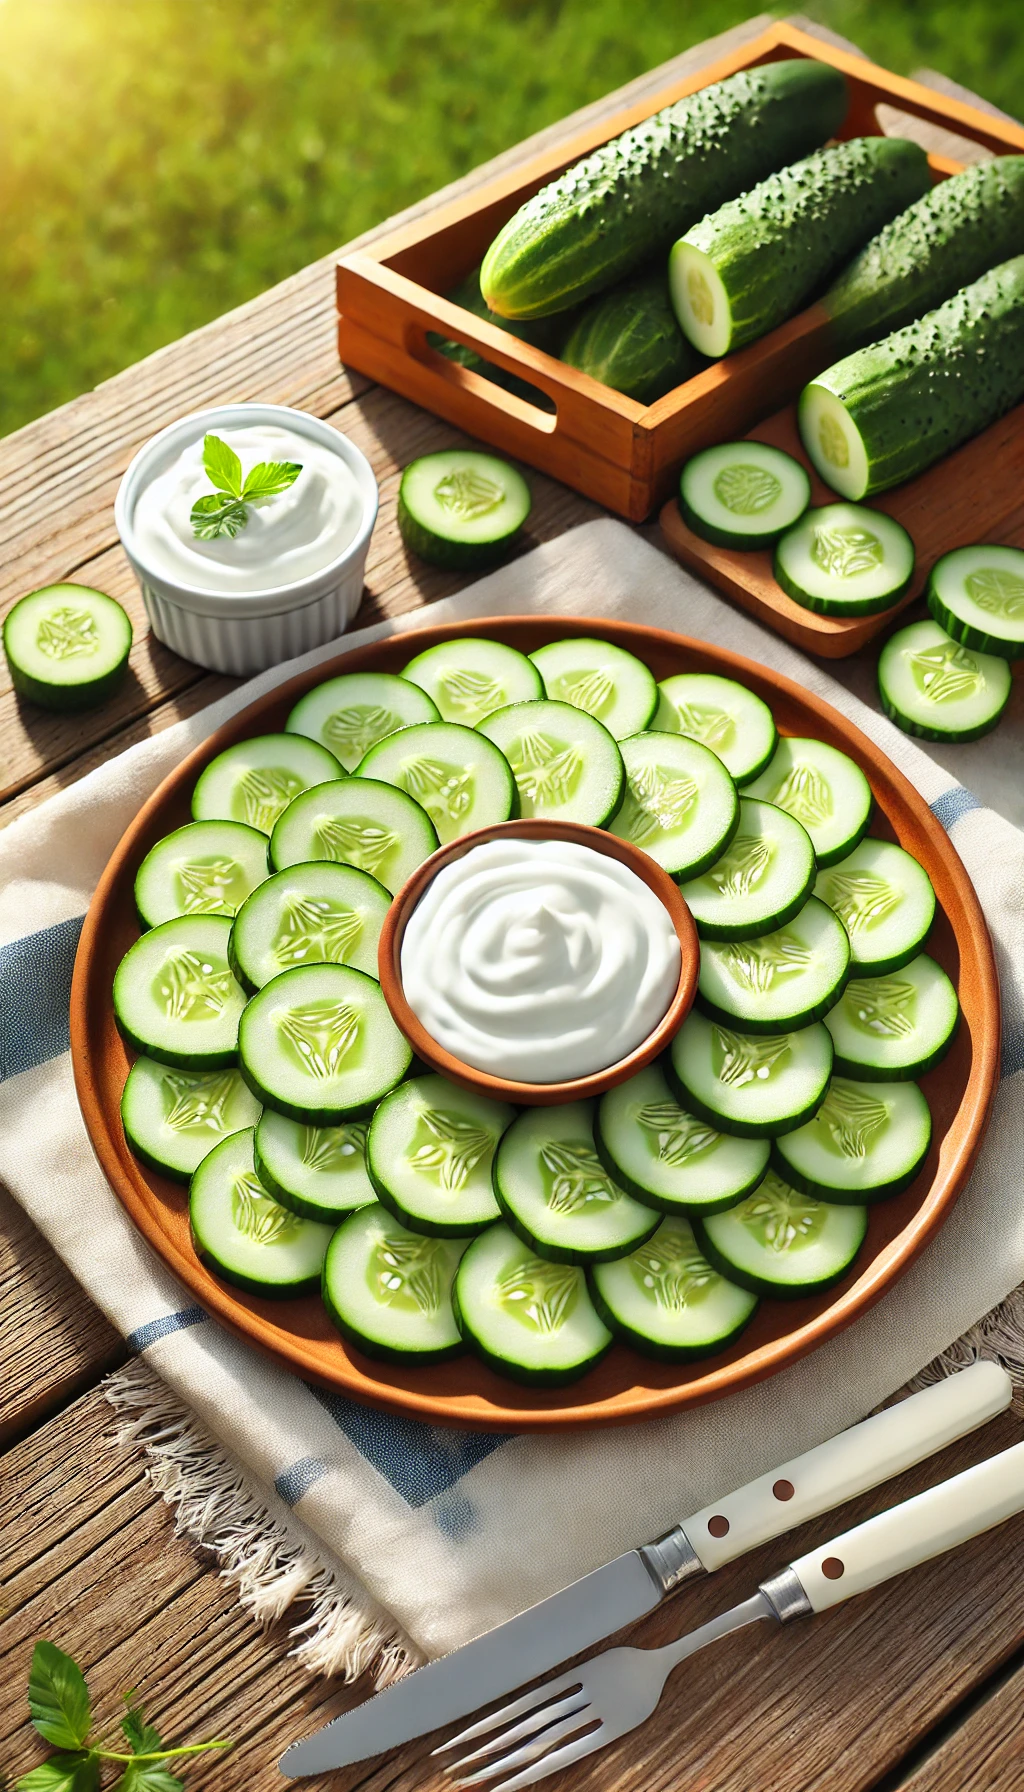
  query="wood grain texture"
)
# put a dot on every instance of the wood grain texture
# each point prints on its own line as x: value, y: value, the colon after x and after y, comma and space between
x: 983, y: 1754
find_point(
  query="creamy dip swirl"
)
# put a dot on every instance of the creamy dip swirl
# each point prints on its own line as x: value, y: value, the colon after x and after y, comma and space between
x: 286, y: 538
x: 539, y: 960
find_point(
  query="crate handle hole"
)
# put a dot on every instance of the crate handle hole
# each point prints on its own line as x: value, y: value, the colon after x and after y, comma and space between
x: 498, y: 387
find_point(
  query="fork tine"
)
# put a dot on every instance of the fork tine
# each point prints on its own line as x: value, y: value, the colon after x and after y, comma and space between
x: 539, y: 1696
x: 538, y: 1745
x: 562, y: 1757
x: 539, y: 1719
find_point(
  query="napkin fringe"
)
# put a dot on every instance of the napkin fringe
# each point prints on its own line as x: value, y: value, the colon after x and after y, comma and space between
x: 998, y: 1338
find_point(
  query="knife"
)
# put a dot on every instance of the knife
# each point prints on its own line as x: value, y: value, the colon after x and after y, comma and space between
x: 632, y: 1585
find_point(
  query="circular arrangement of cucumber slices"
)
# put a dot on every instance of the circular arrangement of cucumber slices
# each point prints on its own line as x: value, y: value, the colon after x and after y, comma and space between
x: 255, y: 780
x: 318, y: 1043
x: 680, y: 804
x: 781, y: 1242
x: 781, y: 980
x: 667, y: 1301
x: 721, y: 714
x: 529, y: 1318
x: 173, y: 1118
x: 176, y: 997
x: 823, y: 790
x: 567, y: 767
x: 931, y: 686
x: 206, y: 868
x: 885, y: 902
x: 460, y: 509
x: 977, y: 594
x: 867, y: 1141
x: 761, y: 881
x: 743, y: 494
x: 67, y: 646
x: 318, y: 1171
x: 895, y: 1027
x: 754, y: 1086
x: 605, y: 680
x: 470, y: 678
x: 356, y: 821
x: 666, y: 1156
x: 453, y: 772
x: 429, y: 1154
x: 350, y: 714
x: 556, y: 1193
x: 389, y: 1290
x: 845, y: 560
x: 318, y: 913
x: 241, y: 1233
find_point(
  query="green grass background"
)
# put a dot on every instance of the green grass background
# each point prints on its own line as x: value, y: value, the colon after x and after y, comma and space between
x: 163, y: 160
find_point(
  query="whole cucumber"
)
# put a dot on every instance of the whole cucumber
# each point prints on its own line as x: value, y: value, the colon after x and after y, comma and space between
x: 628, y: 338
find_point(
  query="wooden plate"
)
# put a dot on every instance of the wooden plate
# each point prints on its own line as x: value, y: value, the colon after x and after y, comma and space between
x: 624, y: 1386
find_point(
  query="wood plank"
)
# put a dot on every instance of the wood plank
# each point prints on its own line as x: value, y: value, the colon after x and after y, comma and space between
x: 984, y: 1754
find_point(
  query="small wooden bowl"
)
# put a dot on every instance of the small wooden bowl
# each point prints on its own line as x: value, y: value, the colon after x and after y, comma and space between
x: 580, y: 1088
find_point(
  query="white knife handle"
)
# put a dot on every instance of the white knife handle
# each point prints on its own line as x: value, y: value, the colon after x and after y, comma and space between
x: 849, y: 1464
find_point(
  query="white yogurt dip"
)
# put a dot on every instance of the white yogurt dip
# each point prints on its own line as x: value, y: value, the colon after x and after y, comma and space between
x: 539, y: 960
x: 285, y: 539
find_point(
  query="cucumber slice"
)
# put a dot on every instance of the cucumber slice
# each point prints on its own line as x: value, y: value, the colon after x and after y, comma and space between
x: 457, y: 776
x: 67, y: 646
x: 172, y: 1118
x: 867, y: 1141
x: 470, y: 678
x: 255, y: 780
x: 206, y: 868
x: 461, y: 510
x: 532, y: 1320
x: 885, y: 901
x: 350, y: 714
x: 175, y: 996
x: 823, y: 790
x: 761, y: 881
x: 781, y: 1242
x: 606, y: 681
x: 680, y: 803
x: 845, y: 560
x: 743, y: 494
x: 318, y: 1171
x: 722, y: 715
x: 666, y: 1300
x: 319, y: 1044
x: 246, y: 1237
x: 780, y: 981
x: 932, y: 687
x: 567, y: 766
x: 753, y: 1087
x: 894, y: 1028
x: 668, y: 1158
x: 429, y: 1154
x: 310, y: 914
x: 389, y: 1291
x: 359, y: 822
x: 555, y: 1192
x: 977, y: 594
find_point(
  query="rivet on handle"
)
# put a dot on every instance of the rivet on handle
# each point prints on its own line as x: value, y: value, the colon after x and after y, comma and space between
x: 783, y: 1490
x: 832, y: 1568
x: 719, y: 1525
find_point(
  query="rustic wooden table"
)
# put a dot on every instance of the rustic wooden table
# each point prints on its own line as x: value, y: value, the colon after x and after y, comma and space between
x: 919, y: 1687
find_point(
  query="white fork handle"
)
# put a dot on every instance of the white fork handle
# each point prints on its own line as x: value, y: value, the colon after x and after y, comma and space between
x: 851, y: 1463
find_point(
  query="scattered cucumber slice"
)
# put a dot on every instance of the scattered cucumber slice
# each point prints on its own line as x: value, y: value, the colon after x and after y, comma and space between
x: 606, y: 681
x: 67, y: 646
x: 172, y: 1118
x: 255, y: 780
x: 469, y: 678
x: 743, y: 494
x: 318, y: 1171
x: 175, y: 996
x: 318, y: 913
x: 668, y: 1158
x: 761, y: 881
x: 457, y: 776
x: 751, y: 1086
x: 667, y: 1301
x: 319, y: 1044
x: 680, y: 803
x: 567, y: 766
x: 555, y: 1192
x: 894, y: 1028
x: 845, y: 560
x: 389, y: 1291
x: 246, y: 1237
x: 885, y: 901
x: 867, y: 1141
x: 429, y: 1153
x: 460, y: 509
x: 977, y: 594
x: 780, y: 981
x: 823, y: 790
x: 722, y: 715
x: 932, y: 687
x: 781, y: 1242
x: 530, y: 1319
x: 206, y: 868
x: 348, y: 715
x: 356, y: 821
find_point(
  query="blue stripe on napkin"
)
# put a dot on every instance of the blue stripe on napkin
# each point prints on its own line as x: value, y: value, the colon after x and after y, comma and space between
x: 420, y: 1461
x: 155, y: 1329
x: 292, y: 1483
x: 35, y: 996
x: 952, y: 804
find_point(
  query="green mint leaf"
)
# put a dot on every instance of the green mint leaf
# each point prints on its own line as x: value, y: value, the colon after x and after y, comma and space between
x: 223, y: 466
x: 79, y: 1772
x: 148, y: 1776
x: 217, y: 515
x: 58, y: 1698
x: 270, y: 478
x: 141, y: 1737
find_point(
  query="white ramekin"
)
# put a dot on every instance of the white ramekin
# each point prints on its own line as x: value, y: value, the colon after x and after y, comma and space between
x: 241, y: 632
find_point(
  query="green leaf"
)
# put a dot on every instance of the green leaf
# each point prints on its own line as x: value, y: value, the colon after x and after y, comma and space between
x: 148, y: 1776
x: 217, y: 515
x: 79, y: 1772
x: 141, y: 1737
x: 269, y: 478
x: 223, y: 466
x: 58, y: 1698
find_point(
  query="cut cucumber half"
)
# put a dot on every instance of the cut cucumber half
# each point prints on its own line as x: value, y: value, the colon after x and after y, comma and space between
x: 932, y: 687
x: 566, y: 765
x: 680, y: 803
x: 389, y: 1290
x: 667, y: 1301
x: 743, y: 494
x: 867, y: 1141
x: 175, y: 996
x: 255, y: 780
x: 319, y: 1044
x: 783, y: 1243
x: 823, y: 790
x: 761, y: 881
x: 749, y: 1085
x: 668, y: 1158
x: 460, y: 509
x: 318, y: 913
x: 886, y: 903
x: 246, y: 1237
x: 528, y: 1318
x: 359, y: 822
x: 206, y: 868
x: 318, y: 1171
x: 429, y: 1154
x: 350, y: 714
x: 468, y: 679
x: 833, y: 442
x: 606, y: 681
x: 722, y: 715
x: 555, y: 1192
x: 67, y: 646
x: 845, y: 560
x: 894, y: 1028
x: 457, y: 776
x: 780, y: 981
x: 172, y: 1118
x: 977, y: 594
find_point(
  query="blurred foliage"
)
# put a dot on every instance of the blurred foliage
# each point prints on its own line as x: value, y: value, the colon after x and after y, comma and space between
x: 163, y: 160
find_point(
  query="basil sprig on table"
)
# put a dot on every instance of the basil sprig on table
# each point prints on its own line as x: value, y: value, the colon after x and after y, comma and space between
x: 225, y: 511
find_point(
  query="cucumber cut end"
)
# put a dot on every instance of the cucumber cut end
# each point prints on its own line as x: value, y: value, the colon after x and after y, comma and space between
x: 833, y: 442
x: 699, y: 300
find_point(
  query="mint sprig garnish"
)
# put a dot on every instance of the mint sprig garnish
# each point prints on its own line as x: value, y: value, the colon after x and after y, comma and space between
x: 225, y: 510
